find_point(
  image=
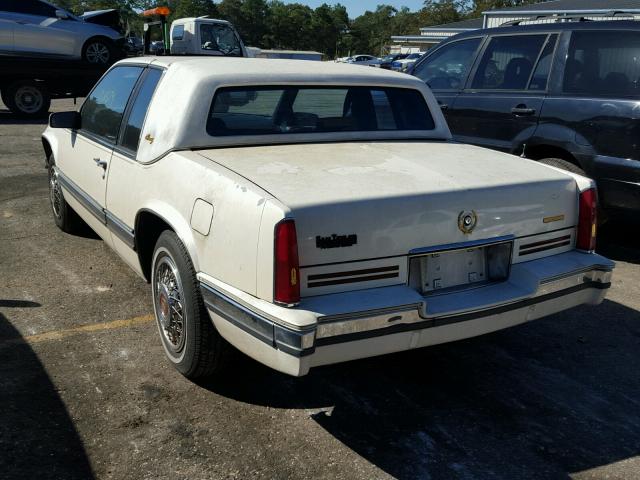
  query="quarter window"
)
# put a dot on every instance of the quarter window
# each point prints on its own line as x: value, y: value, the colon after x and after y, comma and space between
x: 447, y: 67
x: 131, y: 136
x: 102, y: 112
x: 603, y: 63
x: 507, y: 62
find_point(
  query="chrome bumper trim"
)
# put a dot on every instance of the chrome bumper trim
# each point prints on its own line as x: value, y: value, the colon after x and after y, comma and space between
x: 298, y: 343
x: 339, y: 329
x: 375, y: 323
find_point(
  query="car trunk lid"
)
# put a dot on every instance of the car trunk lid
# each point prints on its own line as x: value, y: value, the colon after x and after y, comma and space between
x: 363, y: 201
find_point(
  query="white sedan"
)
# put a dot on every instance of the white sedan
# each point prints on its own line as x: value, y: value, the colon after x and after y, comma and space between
x: 364, y: 60
x: 313, y: 213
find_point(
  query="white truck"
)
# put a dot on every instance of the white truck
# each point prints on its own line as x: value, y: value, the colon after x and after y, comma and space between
x: 205, y: 36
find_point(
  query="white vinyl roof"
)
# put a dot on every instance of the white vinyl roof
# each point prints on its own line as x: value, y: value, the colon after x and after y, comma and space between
x: 179, y: 110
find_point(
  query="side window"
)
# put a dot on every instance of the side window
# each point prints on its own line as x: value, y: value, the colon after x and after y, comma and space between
x: 543, y: 68
x: 507, y: 62
x: 447, y: 67
x: 603, y: 63
x: 178, y: 32
x: 45, y: 10
x: 132, y: 130
x: 7, y: 6
x: 102, y: 112
x: 29, y: 7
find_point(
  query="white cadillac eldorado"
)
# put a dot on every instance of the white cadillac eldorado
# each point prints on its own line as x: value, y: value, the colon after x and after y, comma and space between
x: 313, y: 213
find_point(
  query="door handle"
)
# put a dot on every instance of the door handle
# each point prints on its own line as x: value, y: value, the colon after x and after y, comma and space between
x: 443, y: 106
x: 523, y: 110
x: 100, y: 163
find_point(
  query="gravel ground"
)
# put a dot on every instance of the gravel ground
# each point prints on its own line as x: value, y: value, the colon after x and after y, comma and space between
x: 82, y: 396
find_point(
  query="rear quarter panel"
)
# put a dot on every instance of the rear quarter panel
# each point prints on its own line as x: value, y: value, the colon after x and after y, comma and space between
x: 170, y: 187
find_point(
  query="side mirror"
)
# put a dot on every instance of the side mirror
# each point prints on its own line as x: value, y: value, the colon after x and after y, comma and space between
x: 62, y: 15
x: 65, y: 120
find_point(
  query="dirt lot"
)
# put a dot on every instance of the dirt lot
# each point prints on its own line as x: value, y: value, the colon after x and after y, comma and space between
x: 85, y: 390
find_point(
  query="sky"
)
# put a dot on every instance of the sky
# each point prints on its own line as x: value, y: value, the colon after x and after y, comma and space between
x: 358, y: 7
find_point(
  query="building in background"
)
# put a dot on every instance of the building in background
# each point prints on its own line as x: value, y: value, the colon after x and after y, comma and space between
x: 430, y: 36
x: 598, y: 9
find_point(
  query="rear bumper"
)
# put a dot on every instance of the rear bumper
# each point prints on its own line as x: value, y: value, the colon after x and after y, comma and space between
x: 335, y: 328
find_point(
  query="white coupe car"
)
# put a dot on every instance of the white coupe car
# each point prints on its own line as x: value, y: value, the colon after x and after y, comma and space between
x: 312, y: 213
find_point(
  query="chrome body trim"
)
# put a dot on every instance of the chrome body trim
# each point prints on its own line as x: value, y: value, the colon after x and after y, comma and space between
x: 120, y: 230
x: 113, y: 223
x: 81, y: 196
x: 462, y: 245
x: 340, y: 329
x: 298, y: 343
x: 365, y: 324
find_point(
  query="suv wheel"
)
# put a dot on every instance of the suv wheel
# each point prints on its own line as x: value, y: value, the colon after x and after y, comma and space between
x: 189, y: 338
x: 564, y: 165
x: 98, y: 51
x: 27, y: 98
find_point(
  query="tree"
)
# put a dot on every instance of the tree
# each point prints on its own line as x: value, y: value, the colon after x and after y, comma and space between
x: 439, y: 12
x: 249, y: 17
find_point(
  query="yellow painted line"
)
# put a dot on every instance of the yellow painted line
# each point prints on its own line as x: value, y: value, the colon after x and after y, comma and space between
x: 93, y: 327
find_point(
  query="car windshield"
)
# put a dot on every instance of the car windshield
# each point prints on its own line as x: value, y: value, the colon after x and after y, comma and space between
x: 414, y: 55
x: 288, y: 110
x: 221, y: 38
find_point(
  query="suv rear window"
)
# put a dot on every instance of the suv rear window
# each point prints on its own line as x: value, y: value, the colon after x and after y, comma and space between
x: 603, y: 63
x: 289, y: 110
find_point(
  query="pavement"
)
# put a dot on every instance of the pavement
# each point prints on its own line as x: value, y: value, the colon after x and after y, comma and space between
x: 86, y: 392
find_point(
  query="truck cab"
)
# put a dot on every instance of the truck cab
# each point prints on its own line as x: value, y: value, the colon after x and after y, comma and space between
x: 205, y: 36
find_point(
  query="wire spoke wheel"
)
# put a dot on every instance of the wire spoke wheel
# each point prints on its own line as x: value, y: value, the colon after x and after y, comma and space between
x: 55, y: 195
x: 29, y: 99
x: 97, y: 52
x: 168, y: 302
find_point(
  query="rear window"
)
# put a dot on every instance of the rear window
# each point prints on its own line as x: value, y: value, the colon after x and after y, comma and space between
x: 290, y: 110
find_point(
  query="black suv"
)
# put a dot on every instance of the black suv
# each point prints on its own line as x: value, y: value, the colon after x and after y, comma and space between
x: 567, y: 94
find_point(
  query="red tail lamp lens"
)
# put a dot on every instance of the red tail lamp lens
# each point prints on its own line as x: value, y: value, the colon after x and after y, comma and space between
x: 287, y: 268
x: 587, y: 220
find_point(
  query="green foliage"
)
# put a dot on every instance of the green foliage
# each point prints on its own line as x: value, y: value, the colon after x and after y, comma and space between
x: 327, y: 29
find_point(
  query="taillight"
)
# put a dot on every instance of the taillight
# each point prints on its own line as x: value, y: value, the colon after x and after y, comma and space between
x: 287, y: 271
x: 587, y: 220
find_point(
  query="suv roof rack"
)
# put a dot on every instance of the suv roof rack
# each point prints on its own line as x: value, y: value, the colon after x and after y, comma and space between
x: 570, y: 18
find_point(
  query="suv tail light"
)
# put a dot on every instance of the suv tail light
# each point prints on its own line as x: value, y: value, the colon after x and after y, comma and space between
x: 587, y: 220
x: 287, y: 269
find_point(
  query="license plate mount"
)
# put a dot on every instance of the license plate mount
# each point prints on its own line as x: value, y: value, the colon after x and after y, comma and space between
x: 453, y: 269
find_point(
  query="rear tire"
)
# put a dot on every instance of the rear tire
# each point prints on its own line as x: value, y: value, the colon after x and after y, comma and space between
x: 3, y: 96
x: 27, y: 99
x: 65, y: 218
x: 564, y: 165
x: 188, y: 337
